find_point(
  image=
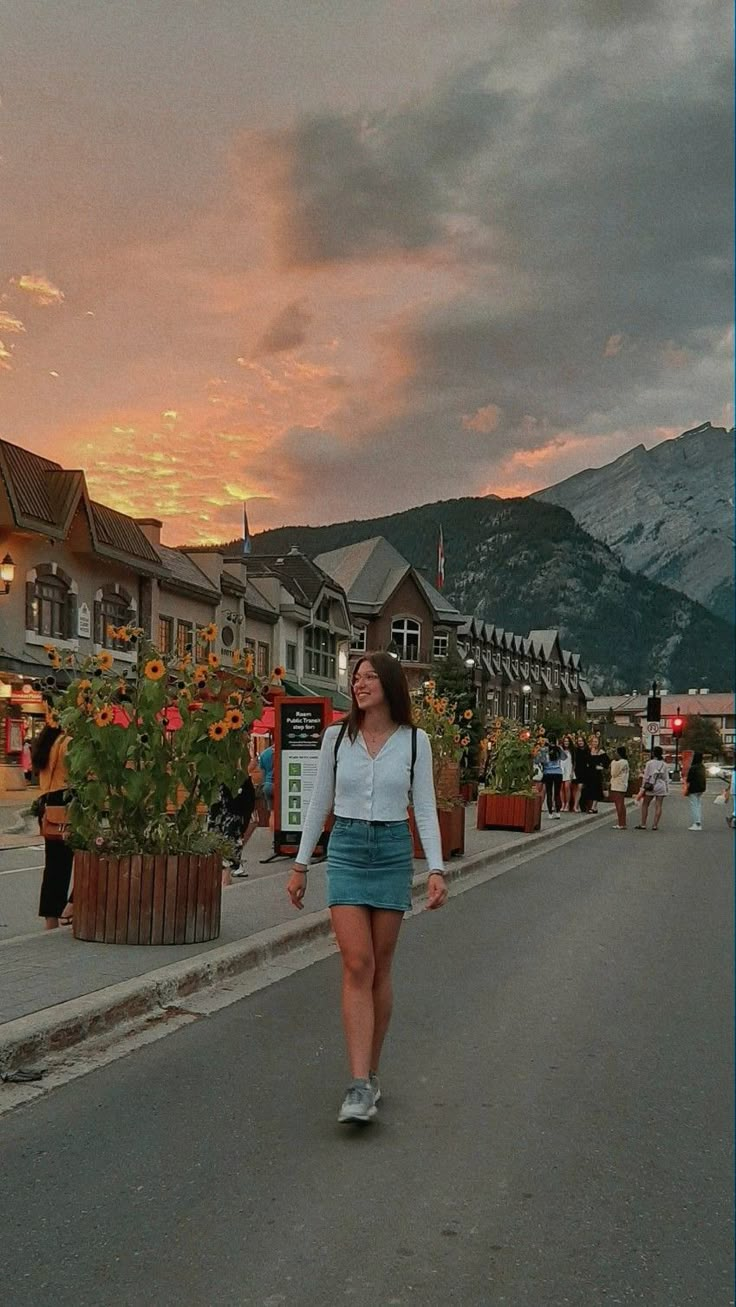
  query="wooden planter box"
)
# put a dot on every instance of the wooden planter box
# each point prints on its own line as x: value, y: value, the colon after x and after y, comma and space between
x: 146, y: 899
x: 509, y: 812
x: 469, y: 791
x: 452, y: 832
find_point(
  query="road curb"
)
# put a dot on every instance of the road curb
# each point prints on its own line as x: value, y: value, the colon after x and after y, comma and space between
x: 54, y: 1029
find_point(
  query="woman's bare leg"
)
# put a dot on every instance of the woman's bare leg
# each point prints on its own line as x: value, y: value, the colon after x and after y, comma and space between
x: 385, y: 927
x: 352, y: 927
x: 657, y: 810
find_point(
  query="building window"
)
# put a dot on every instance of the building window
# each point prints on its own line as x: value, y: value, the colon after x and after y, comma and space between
x: 320, y: 652
x: 290, y: 657
x: 525, y: 668
x: 202, y: 647
x: 184, y: 638
x: 166, y: 635
x: 48, y: 608
x: 358, y: 639
x: 535, y: 671
x: 574, y: 680
x: 557, y: 675
x: 263, y: 658
x: 440, y: 645
x: 112, y: 608
x: 405, y: 635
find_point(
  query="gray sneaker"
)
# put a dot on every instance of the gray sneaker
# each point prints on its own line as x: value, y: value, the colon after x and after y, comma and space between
x: 359, y: 1104
x: 375, y: 1086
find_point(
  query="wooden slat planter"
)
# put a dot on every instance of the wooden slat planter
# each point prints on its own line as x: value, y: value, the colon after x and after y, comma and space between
x: 452, y: 832
x: 142, y: 899
x: 509, y: 812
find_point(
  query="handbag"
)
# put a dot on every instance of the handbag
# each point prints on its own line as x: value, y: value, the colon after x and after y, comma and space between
x: 55, y: 821
x: 54, y: 816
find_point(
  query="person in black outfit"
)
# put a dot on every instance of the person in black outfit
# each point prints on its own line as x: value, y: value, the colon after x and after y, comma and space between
x: 583, y: 774
x: 48, y: 760
x: 231, y: 815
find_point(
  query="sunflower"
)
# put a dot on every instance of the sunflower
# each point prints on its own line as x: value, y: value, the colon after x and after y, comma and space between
x: 213, y: 660
x: 468, y: 714
x: 105, y: 660
x: 104, y: 717
x: 234, y: 718
x: 248, y: 664
x: 184, y: 662
x: 154, y: 669
x: 429, y: 685
x: 277, y: 673
x: 55, y: 661
x: 50, y: 649
x: 236, y: 657
x: 208, y: 633
x: 123, y: 634
x: 218, y: 730
x: 112, y: 632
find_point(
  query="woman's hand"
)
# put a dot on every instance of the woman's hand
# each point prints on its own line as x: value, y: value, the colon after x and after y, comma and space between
x: 437, y: 891
x: 297, y: 887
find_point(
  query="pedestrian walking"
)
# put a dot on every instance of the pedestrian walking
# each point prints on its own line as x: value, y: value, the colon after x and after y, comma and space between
x: 551, y: 759
x: 568, y: 772
x: 370, y: 768
x: 694, y: 788
x: 655, y: 785
x: 49, y: 760
x: 584, y: 774
x: 619, y: 786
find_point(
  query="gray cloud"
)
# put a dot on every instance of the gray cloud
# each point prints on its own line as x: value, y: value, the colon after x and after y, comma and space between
x: 287, y: 331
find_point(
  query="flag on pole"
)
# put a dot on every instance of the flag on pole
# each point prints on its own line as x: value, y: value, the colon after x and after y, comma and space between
x: 246, y: 530
x: 440, y: 561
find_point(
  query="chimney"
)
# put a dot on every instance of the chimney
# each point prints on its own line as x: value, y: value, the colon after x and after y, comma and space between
x: 151, y: 528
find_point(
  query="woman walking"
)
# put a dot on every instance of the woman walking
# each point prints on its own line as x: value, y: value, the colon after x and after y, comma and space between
x: 695, y: 789
x: 49, y: 760
x: 370, y: 768
x: 655, y: 785
x: 619, y: 786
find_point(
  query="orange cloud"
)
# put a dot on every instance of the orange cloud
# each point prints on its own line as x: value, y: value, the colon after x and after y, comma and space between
x: 10, y: 324
x: 41, y: 290
x: 483, y: 420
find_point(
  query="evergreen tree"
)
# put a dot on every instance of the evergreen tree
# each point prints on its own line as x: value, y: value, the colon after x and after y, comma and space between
x: 453, y: 682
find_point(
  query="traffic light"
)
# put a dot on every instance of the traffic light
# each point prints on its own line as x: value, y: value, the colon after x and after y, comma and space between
x: 654, y: 708
x: 677, y: 726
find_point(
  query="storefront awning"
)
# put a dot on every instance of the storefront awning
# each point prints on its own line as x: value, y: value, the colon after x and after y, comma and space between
x: 340, y: 702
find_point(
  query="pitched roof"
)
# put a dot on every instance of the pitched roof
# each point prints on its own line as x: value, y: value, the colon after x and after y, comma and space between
x: 184, y: 572
x: 303, y: 578
x: 254, y: 599
x: 544, y: 640
x: 369, y: 571
x: 718, y: 704
x: 44, y: 497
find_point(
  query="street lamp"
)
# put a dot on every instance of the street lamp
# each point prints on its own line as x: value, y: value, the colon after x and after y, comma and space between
x: 7, y: 572
x: 526, y: 691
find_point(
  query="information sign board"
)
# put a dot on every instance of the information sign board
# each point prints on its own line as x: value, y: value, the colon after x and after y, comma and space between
x: 299, y: 724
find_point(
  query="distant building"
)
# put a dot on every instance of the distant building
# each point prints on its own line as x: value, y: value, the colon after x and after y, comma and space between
x: 630, y: 710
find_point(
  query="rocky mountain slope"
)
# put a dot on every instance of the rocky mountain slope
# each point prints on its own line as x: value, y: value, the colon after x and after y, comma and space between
x: 523, y: 564
x: 667, y: 512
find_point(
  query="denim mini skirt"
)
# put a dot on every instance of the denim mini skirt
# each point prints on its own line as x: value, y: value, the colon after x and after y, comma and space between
x: 369, y: 864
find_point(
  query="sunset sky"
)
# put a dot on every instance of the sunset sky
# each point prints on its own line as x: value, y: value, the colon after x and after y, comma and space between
x: 341, y: 257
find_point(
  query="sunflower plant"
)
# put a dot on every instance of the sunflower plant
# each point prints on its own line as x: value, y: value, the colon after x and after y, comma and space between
x: 447, y: 729
x: 150, y: 748
x: 511, y: 749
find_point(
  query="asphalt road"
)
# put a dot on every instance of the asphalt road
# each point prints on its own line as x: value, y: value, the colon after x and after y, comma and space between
x: 556, y: 1126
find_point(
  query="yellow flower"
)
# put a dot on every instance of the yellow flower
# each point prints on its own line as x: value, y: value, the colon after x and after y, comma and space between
x: 234, y: 719
x: 55, y: 661
x: 208, y: 633
x: 123, y: 634
x: 429, y: 685
x: 105, y: 660
x: 218, y: 730
x: 236, y: 657
x: 50, y: 648
x: 112, y: 632
x: 184, y: 662
x: 468, y: 714
x: 248, y: 664
x: 277, y: 673
x: 104, y: 717
x: 213, y: 660
x: 154, y: 669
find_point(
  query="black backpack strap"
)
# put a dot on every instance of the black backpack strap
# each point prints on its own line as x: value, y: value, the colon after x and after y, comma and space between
x: 338, y: 742
x: 413, y: 756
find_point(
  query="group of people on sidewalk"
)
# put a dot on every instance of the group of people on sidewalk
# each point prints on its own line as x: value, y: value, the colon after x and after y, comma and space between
x: 570, y: 772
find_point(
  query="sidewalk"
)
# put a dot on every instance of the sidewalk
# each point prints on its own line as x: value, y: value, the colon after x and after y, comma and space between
x: 56, y: 990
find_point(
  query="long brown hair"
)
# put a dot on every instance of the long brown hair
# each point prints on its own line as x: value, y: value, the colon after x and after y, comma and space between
x: 395, y: 687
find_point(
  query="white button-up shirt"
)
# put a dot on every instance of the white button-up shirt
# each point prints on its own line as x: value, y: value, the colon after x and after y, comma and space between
x: 374, y: 789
